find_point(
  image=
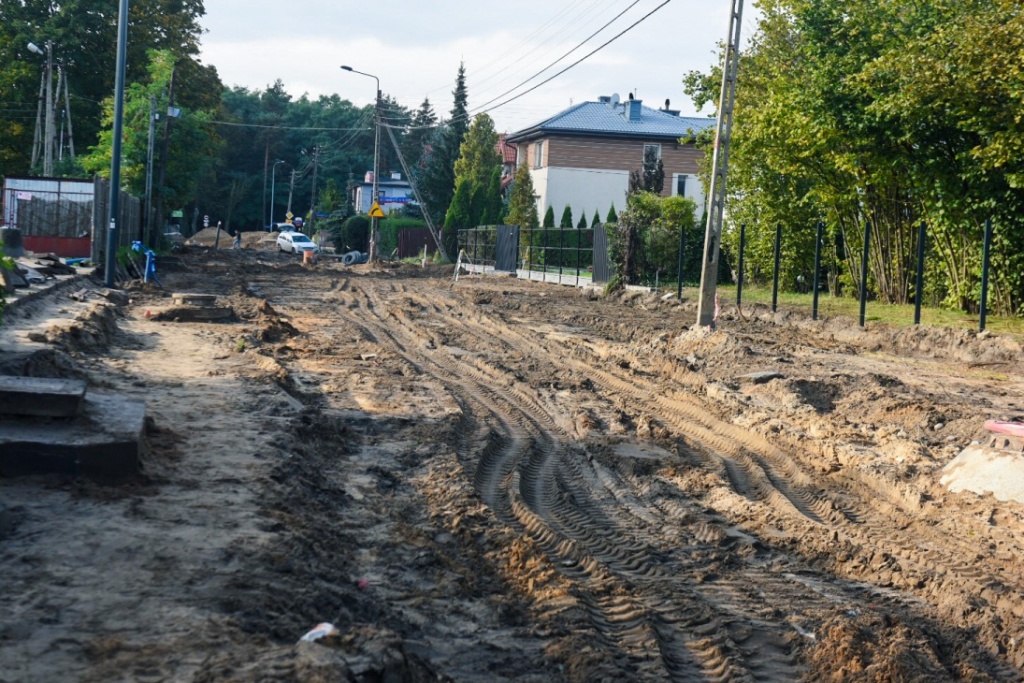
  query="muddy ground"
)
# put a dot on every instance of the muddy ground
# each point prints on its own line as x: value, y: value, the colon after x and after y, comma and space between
x: 492, y: 479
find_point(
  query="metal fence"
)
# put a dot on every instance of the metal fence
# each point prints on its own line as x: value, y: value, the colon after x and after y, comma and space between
x: 48, y: 207
x: 129, y: 222
x: 576, y: 256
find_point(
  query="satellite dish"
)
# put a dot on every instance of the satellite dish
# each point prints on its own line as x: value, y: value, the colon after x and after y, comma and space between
x: 615, y: 100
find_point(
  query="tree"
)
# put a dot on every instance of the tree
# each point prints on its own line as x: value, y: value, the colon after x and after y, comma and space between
x: 478, y: 153
x: 596, y: 220
x: 193, y: 141
x: 612, y: 217
x: 436, y: 174
x: 458, y: 217
x: 421, y: 127
x: 653, y: 171
x: 566, y: 220
x: 522, y: 206
x: 549, y: 217
x: 882, y: 115
x: 582, y: 224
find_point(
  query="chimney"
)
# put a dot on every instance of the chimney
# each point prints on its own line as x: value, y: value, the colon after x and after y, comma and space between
x: 633, y: 111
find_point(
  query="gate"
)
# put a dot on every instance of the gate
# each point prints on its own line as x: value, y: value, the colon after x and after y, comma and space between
x: 506, y: 249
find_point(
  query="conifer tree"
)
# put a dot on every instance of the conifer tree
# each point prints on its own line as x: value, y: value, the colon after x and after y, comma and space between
x: 566, y: 221
x: 549, y: 217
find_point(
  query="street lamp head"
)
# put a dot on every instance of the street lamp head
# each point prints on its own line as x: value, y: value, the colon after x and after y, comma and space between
x: 32, y: 47
x: 346, y: 68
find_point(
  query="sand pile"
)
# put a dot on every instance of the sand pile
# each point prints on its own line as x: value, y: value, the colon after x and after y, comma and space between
x: 256, y: 239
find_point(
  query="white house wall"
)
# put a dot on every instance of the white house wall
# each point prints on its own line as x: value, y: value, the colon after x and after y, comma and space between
x: 585, y: 190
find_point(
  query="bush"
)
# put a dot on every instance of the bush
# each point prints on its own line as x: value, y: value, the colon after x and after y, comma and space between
x: 389, y: 229
x: 352, y: 235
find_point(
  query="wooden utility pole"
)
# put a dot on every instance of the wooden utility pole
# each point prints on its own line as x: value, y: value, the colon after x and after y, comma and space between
x: 163, y: 152
x: 720, y: 164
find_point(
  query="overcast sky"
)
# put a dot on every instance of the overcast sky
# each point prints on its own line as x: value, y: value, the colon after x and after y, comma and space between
x: 415, y: 46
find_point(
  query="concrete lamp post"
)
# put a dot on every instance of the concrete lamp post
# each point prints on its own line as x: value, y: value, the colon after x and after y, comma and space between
x: 273, y: 177
x: 49, y: 122
x: 372, y: 256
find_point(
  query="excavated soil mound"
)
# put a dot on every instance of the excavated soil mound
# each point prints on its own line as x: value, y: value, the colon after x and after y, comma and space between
x: 253, y: 239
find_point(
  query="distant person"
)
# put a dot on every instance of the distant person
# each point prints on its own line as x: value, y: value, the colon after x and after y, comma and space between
x: 237, y: 244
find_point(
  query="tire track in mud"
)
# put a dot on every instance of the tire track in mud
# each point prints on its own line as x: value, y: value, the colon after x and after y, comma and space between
x: 754, y: 465
x: 644, y: 598
x: 549, y: 498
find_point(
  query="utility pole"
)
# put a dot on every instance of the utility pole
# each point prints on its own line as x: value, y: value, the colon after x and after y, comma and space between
x: 48, y: 136
x: 67, y: 110
x: 163, y: 151
x: 720, y: 164
x: 312, y: 197
x: 51, y: 132
x: 115, y: 153
x: 374, y: 229
x: 149, y: 169
x: 291, y: 189
x: 374, y: 236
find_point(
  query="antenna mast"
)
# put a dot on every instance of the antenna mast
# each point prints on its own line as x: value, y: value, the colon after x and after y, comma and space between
x: 706, y: 312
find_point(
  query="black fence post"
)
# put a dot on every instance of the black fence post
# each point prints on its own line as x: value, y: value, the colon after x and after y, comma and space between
x: 561, y: 252
x: 775, y: 276
x: 679, y: 276
x: 817, y: 268
x: 579, y: 248
x: 986, y: 249
x: 864, y: 271
x: 739, y: 272
x: 919, y: 284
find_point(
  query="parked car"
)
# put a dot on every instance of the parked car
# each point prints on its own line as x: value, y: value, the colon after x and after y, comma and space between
x: 296, y: 243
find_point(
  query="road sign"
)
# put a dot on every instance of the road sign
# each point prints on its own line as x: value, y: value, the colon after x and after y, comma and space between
x: 289, y: 215
x: 376, y: 211
x: 206, y: 221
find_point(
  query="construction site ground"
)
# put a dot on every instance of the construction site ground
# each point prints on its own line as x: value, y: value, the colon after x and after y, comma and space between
x: 500, y: 480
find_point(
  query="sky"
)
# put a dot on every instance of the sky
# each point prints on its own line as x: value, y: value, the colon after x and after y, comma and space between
x: 414, y: 47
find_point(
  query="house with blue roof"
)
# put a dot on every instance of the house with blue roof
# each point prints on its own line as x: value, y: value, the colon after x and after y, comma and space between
x: 582, y: 156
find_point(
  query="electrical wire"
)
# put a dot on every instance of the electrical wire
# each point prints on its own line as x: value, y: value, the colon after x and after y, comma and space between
x: 545, y: 81
x: 257, y: 125
x: 578, y: 61
x: 578, y: 46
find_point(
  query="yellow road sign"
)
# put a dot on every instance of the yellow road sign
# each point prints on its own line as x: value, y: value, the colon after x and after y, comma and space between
x: 376, y: 211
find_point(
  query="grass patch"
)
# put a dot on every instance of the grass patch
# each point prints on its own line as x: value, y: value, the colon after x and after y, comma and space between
x: 899, y: 315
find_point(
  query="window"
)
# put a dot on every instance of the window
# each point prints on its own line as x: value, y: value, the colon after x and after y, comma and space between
x: 538, y: 154
x: 681, y: 185
x: 652, y: 152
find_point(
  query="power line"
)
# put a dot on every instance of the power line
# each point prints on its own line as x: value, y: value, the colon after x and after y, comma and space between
x: 578, y: 46
x: 581, y: 59
x: 257, y: 125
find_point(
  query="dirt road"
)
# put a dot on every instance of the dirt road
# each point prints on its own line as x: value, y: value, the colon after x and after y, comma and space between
x: 491, y: 480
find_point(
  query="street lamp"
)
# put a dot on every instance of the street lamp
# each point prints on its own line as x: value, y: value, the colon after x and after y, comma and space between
x: 372, y: 256
x: 50, y: 124
x: 273, y: 177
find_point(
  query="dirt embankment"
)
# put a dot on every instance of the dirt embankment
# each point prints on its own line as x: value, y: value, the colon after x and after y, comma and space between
x: 498, y: 480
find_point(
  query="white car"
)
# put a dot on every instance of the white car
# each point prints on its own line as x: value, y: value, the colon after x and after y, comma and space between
x: 296, y: 243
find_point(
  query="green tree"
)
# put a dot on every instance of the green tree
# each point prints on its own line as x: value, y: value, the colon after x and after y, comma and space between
x: 422, y: 125
x: 193, y: 139
x: 522, y: 207
x: 596, y: 220
x: 566, y: 220
x: 882, y: 115
x: 458, y: 217
x: 549, y: 217
x: 478, y: 154
x: 582, y: 224
x: 612, y: 217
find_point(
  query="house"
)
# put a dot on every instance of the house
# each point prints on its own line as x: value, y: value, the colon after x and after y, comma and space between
x: 393, y: 193
x: 582, y: 157
x: 507, y: 152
